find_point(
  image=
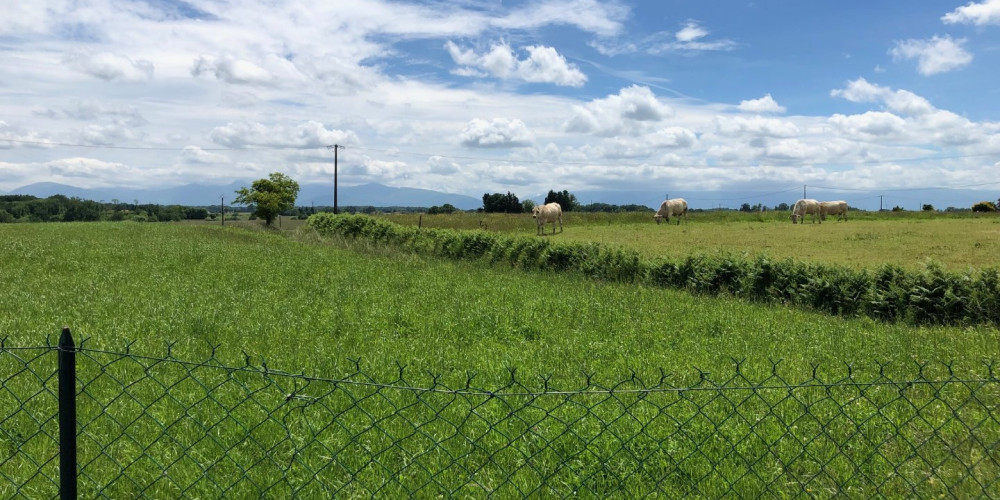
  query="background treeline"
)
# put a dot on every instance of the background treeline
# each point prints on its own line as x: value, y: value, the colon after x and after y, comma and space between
x: 888, y: 293
x: 59, y: 208
x: 509, y: 203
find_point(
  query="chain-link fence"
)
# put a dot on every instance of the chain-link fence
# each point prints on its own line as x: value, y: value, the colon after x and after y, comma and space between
x: 162, y: 427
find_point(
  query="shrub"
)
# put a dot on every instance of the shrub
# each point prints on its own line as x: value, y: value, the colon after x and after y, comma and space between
x: 984, y: 206
x: 888, y: 293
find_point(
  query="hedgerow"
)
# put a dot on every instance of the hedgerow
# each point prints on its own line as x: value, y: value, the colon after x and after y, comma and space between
x: 888, y: 293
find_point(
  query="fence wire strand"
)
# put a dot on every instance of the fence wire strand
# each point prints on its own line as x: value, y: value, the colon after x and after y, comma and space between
x: 154, y: 427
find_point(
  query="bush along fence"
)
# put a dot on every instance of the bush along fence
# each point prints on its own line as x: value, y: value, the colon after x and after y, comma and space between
x: 888, y: 293
x: 111, y: 424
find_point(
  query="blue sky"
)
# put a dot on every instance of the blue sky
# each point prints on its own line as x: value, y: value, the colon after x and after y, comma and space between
x: 686, y: 97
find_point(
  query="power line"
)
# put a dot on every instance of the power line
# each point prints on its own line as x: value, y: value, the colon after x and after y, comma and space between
x: 153, y: 148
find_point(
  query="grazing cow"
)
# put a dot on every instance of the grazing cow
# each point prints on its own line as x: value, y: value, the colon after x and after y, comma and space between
x: 838, y: 208
x: 549, y: 212
x: 805, y: 207
x: 674, y: 207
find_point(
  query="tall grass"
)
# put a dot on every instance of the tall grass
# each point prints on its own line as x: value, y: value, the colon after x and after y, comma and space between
x: 928, y: 296
x: 956, y: 241
x: 315, y: 305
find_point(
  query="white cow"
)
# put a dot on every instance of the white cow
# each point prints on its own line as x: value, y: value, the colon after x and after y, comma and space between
x: 838, y: 208
x: 673, y: 207
x: 805, y: 207
x: 549, y: 212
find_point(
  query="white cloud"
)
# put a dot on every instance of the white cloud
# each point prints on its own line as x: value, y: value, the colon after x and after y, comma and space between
x: 672, y: 137
x: 619, y: 114
x: 87, y: 172
x: 979, y: 14
x: 690, y: 32
x: 897, y: 101
x: 110, y: 67
x: 498, y: 133
x: 755, y: 126
x: 271, y: 71
x: 765, y: 104
x: 937, y: 55
x: 306, y: 135
x: 871, y: 124
x: 196, y: 155
x: 542, y: 65
x: 593, y: 16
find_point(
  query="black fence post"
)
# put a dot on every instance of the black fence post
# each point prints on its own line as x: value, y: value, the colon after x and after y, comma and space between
x: 67, y: 416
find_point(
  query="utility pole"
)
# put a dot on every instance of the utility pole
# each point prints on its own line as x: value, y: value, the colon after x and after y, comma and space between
x: 222, y: 208
x: 879, y: 203
x: 335, y: 148
x: 804, y: 191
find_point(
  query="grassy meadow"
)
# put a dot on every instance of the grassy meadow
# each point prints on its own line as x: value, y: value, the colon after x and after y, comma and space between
x: 317, y: 306
x: 956, y: 241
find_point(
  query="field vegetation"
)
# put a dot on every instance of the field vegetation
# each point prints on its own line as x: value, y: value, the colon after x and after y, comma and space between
x: 955, y: 240
x: 320, y: 305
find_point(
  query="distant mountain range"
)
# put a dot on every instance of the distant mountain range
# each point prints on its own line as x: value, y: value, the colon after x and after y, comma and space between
x: 376, y: 195
x: 379, y: 195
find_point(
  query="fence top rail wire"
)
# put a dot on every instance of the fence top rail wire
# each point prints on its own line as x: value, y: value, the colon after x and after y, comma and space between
x: 662, y: 386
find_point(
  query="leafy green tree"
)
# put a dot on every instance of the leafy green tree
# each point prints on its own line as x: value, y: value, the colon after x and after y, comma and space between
x: 984, y: 206
x: 928, y: 207
x: 527, y: 205
x: 565, y: 199
x: 497, y: 202
x: 269, y: 197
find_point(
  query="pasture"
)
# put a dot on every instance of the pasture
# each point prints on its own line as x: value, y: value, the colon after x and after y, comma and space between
x: 314, y: 305
x: 311, y: 304
x: 866, y: 240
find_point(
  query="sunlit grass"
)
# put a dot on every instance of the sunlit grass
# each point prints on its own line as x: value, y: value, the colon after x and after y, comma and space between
x: 302, y: 303
x: 867, y: 240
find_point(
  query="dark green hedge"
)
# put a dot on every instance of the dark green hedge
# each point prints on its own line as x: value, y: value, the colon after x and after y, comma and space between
x: 888, y: 293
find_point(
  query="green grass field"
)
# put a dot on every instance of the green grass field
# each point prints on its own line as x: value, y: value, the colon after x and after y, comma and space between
x: 312, y: 305
x: 956, y: 241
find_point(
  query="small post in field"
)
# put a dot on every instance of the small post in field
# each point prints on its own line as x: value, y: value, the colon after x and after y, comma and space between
x: 67, y: 415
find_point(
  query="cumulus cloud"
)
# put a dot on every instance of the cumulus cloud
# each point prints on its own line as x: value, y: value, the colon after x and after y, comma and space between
x: 271, y: 71
x: 310, y: 134
x: 672, y: 137
x: 14, y: 136
x: 542, y: 64
x: 898, y: 101
x: 196, y: 155
x: 979, y: 14
x: 90, y: 170
x: 755, y: 126
x: 498, y: 133
x: 765, y: 104
x: 110, y: 67
x: 618, y: 114
x: 871, y: 124
x: 937, y: 55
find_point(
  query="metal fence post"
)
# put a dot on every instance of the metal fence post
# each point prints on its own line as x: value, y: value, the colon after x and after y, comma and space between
x: 67, y: 416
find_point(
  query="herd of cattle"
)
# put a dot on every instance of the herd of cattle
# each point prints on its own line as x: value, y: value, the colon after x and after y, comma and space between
x: 678, y: 208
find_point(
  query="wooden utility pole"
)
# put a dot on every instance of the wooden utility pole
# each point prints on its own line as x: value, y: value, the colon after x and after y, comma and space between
x: 222, y: 208
x: 335, y: 148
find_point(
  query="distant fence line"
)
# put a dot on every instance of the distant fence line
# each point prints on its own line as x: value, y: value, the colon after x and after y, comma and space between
x: 122, y: 425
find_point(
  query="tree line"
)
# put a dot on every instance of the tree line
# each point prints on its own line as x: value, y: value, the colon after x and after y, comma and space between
x: 60, y: 208
x: 509, y: 203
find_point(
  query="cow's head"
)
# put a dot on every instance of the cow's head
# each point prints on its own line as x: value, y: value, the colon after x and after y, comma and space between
x: 535, y: 210
x: 657, y: 217
x: 795, y: 218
